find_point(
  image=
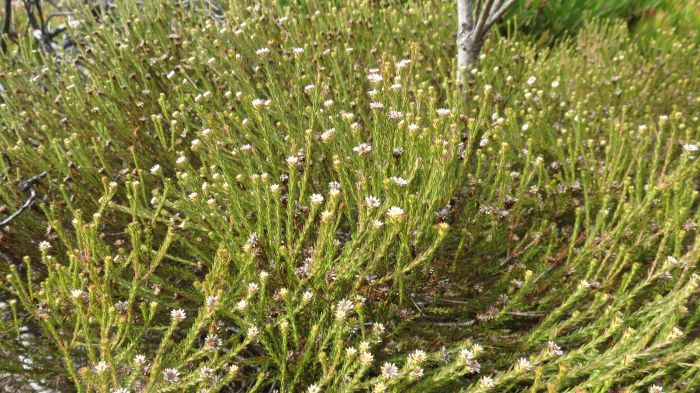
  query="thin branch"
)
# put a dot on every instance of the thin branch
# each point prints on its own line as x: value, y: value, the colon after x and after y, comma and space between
x: 483, y: 16
x: 499, y: 13
x: 25, y: 185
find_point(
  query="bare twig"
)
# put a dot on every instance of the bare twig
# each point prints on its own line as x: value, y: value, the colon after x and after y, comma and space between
x: 27, y: 185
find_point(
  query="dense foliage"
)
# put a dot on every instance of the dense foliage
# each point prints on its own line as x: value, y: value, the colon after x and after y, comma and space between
x: 297, y: 198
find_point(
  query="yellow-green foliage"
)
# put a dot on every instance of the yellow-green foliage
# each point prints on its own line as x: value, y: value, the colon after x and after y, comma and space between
x: 299, y: 199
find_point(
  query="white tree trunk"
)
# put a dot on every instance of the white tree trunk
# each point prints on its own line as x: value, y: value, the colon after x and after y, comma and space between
x: 472, y: 26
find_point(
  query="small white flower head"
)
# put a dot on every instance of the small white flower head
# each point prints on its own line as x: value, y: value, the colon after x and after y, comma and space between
x: 366, y: 358
x: 487, y: 382
x: 178, y: 315
x: 554, y: 348
x: 206, y: 372
x: 139, y: 360
x: 77, y: 294
x: 376, y: 105
x: 328, y: 103
x: 395, y: 115
x: 413, y: 127
x: 328, y: 134
x: 523, y: 364
x: 690, y: 147
x: 484, y: 142
x: 297, y: 51
x: 44, y: 246
x: 655, y: 389
x: 292, y: 161
x: 181, y: 160
x: 443, y: 112
x: 119, y: 390
x: 417, y: 357
x: 376, y: 224
x: 258, y: 102
x: 525, y: 127
x: 313, y: 389
x: 389, y: 370
x: 274, y: 188
x: 465, y: 355
x: 350, y: 352
x: 171, y: 375
x: 241, y: 305
x: 394, y: 213
x: 262, y: 51
x: 531, y: 80
x: 306, y: 296
x: 372, y: 202
x: 316, y: 199
x: 403, y: 63
x: 672, y: 260
x: 155, y: 169
x: 555, y: 84
x: 375, y: 78
x: 416, y: 373
x: 342, y: 309
x: 309, y: 88
x: 252, y: 332
x: 399, y: 181
x: 101, y: 367
x: 212, y: 301
x: 362, y: 148
x: 212, y: 341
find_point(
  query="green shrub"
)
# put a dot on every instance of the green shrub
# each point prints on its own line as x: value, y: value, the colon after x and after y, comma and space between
x: 299, y: 199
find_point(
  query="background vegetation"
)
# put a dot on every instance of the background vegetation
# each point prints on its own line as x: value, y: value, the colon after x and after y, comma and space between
x: 295, y: 197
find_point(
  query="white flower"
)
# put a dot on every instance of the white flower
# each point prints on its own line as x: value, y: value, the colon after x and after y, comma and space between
x: 416, y: 373
x: 101, y: 367
x: 555, y: 84
x: 690, y: 147
x: 76, y: 293
x: 366, y: 358
x: 177, y: 315
x: 524, y: 364
x: 328, y: 134
x: 417, y: 357
x: 212, y: 301
x: 362, y: 148
x: 389, y: 370
x: 554, y: 348
x: 413, y: 127
x: 258, y: 102
x: 306, y: 296
x: 313, y: 389
x: 316, y: 199
x: 139, y: 360
x: 655, y: 389
x: 394, y: 212
x: 44, y: 246
x: 262, y: 51
x: 241, y: 305
x: 171, y: 375
x: 309, y: 88
x: 297, y: 51
x: 376, y: 105
x: 375, y: 78
x: 443, y: 112
x: 252, y: 332
x: 531, y: 80
x: 483, y: 142
x: 399, y: 181
x: 274, y: 188
x: 155, y: 169
x: 181, y: 160
x: 342, y: 308
x: 120, y: 390
x: 487, y: 382
x: 372, y: 202
x: 465, y: 355
x: 328, y: 103
x: 395, y: 115
x: 292, y: 161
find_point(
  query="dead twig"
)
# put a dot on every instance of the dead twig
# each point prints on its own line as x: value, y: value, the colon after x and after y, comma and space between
x: 27, y: 185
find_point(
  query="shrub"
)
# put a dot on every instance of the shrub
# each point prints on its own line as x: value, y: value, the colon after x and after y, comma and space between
x: 300, y: 199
